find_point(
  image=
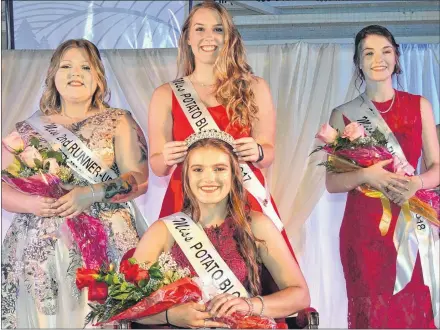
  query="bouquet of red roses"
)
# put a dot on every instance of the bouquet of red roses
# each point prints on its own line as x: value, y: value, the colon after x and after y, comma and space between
x: 138, y: 291
x: 39, y: 170
x: 352, y: 149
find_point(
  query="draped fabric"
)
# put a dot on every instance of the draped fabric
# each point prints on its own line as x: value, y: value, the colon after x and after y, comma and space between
x: 307, y: 81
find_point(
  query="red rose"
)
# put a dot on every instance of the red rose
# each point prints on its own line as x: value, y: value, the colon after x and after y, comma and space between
x: 142, y: 275
x: 85, y: 277
x: 132, y: 272
x: 98, y: 291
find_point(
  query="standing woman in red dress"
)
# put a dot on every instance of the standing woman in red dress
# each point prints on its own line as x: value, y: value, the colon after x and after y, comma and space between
x: 212, y: 57
x: 368, y: 258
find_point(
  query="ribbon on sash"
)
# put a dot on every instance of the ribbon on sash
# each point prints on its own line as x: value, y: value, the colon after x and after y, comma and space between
x: 414, y: 233
x: 200, y: 120
x: 202, y: 255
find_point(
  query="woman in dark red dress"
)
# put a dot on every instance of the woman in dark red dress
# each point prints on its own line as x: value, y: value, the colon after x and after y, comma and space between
x: 212, y: 56
x: 369, y: 259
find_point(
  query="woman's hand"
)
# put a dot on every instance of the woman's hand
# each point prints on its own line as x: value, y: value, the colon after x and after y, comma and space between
x: 247, y: 149
x: 192, y: 315
x: 413, y: 185
x: 174, y: 152
x: 390, y: 184
x: 41, y: 206
x: 225, y: 304
x: 74, y: 202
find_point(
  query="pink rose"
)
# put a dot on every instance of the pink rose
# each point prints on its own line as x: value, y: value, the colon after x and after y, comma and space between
x: 13, y: 142
x: 53, y: 165
x: 327, y: 134
x: 353, y: 131
x: 29, y: 155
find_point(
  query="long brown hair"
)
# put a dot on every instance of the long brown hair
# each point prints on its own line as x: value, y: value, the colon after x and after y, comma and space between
x: 233, y: 74
x: 50, y: 102
x: 237, y: 209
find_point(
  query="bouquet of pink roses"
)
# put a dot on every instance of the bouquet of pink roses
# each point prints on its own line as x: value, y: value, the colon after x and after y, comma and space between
x: 35, y: 169
x: 352, y: 149
x: 39, y: 170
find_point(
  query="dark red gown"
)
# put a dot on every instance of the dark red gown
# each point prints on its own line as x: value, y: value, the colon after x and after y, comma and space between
x: 368, y: 259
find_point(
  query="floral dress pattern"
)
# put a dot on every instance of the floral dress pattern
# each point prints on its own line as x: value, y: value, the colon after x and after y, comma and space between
x: 39, y: 255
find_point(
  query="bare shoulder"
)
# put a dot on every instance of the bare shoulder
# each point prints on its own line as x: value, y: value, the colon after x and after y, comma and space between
x: 157, y: 228
x: 261, y: 225
x: 259, y: 85
x: 425, y: 105
x: 162, y: 95
x: 163, y: 90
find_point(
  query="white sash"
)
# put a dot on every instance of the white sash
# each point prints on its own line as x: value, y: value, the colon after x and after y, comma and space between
x: 80, y: 158
x: 200, y: 120
x: 413, y: 232
x: 202, y: 255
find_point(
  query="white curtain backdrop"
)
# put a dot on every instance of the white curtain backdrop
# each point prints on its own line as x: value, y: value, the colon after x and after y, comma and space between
x: 307, y: 81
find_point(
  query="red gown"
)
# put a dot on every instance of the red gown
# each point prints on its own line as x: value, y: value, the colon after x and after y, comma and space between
x: 222, y: 237
x: 368, y: 259
x: 173, y: 199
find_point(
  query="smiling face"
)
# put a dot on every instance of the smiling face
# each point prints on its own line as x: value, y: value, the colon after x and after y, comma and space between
x: 209, y: 175
x: 75, y: 79
x: 378, y: 58
x: 206, y: 35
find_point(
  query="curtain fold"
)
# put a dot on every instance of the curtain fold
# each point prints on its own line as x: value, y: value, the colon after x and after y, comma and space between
x: 307, y: 81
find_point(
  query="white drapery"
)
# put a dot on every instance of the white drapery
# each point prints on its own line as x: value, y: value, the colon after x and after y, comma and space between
x: 307, y: 81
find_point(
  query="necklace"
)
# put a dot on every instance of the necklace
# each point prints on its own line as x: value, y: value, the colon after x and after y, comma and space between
x: 391, y: 105
x: 66, y: 115
x: 199, y: 83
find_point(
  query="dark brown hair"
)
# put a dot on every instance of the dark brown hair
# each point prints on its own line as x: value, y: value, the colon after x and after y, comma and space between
x: 358, y: 41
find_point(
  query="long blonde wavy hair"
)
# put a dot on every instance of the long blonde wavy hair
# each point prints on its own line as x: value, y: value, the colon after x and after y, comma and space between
x: 233, y: 74
x: 237, y: 209
x: 50, y: 102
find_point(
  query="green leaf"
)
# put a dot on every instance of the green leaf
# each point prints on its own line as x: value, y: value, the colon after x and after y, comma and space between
x: 115, y: 279
x: 124, y: 286
x: 132, y: 261
x: 108, y: 279
x: 38, y: 163
x: 57, y: 155
x: 34, y: 142
x: 155, y: 273
x: 122, y: 296
x: 143, y: 283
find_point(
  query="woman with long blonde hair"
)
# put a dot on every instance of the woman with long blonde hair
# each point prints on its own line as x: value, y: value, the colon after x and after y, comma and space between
x: 212, y: 62
x: 212, y: 56
x: 47, y: 241
x: 214, y: 199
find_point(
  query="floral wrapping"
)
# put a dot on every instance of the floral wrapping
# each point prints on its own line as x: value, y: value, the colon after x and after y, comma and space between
x: 136, y: 292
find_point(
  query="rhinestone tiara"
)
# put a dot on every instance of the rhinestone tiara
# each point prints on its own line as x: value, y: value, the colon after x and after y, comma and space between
x: 209, y: 134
